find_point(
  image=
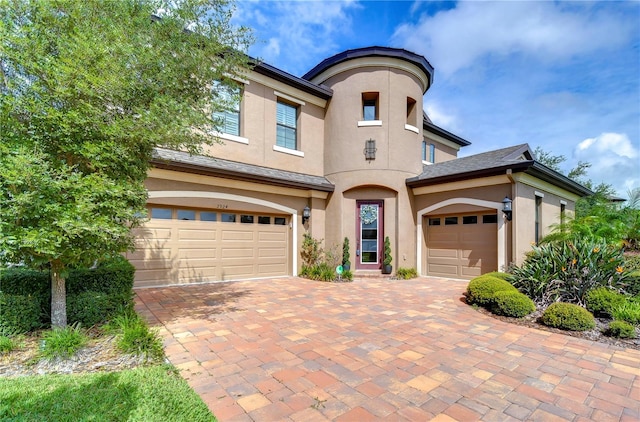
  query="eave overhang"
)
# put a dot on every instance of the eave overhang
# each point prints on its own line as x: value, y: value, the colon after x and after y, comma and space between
x: 530, y: 167
x: 430, y: 127
x: 210, y: 166
x: 321, y: 91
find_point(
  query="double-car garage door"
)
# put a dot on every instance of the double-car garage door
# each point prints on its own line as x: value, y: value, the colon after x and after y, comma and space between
x: 178, y: 246
x: 461, y: 245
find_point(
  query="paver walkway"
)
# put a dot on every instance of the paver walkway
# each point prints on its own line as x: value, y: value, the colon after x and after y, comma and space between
x: 295, y: 349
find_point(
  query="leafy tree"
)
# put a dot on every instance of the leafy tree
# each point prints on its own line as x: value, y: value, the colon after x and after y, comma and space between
x: 578, y: 173
x: 596, y: 216
x: 88, y: 89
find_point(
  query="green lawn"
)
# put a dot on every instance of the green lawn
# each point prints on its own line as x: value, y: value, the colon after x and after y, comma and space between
x: 153, y: 393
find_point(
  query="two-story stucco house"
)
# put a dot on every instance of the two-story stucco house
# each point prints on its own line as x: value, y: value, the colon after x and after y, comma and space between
x: 349, y: 144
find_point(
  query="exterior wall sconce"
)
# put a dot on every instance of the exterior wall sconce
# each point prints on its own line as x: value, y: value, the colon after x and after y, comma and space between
x: 306, y: 214
x: 370, y: 149
x: 506, y: 208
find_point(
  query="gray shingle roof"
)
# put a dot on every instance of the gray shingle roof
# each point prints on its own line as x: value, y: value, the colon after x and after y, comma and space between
x: 473, y: 163
x: 518, y: 158
x: 233, y: 169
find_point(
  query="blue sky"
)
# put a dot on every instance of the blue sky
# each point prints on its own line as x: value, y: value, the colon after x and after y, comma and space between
x: 564, y: 76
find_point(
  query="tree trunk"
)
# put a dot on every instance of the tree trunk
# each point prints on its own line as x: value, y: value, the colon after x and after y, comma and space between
x: 58, y: 296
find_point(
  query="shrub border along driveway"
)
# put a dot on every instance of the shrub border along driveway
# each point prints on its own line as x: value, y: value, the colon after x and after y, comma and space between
x: 295, y: 349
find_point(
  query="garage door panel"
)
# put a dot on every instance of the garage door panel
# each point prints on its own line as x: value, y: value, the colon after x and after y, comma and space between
x: 149, y: 254
x: 461, y: 250
x: 153, y: 275
x: 471, y: 272
x: 151, y: 233
x: 272, y: 236
x: 243, y: 270
x: 272, y: 253
x: 271, y: 269
x: 443, y: 270
x: 443, y: 253
x: 196, y: 234
x: 197, y: 273
x: 207, y: 253
x: 233, y: 253
x: 238, y: 235
x: 445, y: 237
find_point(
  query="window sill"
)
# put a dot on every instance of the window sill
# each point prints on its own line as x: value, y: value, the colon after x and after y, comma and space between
x: 366, y: 123
x: 427, y: 163
x: 232, y: 138
x: 411, y: 128
x: 288, y: 151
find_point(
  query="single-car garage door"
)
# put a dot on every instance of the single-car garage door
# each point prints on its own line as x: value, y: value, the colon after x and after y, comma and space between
x: 178, y: 246
x: 461, y: 245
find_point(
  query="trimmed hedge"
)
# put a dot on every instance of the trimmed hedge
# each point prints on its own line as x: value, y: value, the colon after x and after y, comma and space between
x: 568, y: 316
x: 499, y: 274
x: 19, y: 313
x: 481, y: 290
x: 602, y: 301
x: 620, y: 329
x: 93, y: 294
x: 512, y: 304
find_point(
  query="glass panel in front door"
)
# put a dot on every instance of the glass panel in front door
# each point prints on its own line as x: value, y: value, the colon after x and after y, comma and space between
x: 369, y: 235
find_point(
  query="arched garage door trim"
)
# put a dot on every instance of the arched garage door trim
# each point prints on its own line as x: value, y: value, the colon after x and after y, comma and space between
x: 240, y: 198
x: 502, y: 232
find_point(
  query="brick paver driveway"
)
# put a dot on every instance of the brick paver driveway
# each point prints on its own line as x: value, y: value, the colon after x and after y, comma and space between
x: 294, y: 349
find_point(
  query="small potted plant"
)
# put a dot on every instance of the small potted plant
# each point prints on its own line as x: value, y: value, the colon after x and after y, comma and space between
x: 346, y: 257
x: 386, y: 263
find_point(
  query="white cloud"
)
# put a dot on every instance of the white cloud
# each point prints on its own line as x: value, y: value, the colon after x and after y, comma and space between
x: 613, y: 158
x: 439, y: 117
x: 301, y: 29
x: 617, y: 144
x: 455, y: 39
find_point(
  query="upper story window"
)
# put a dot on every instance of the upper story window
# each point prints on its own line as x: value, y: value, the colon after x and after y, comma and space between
x: 412, y: 117
x: 228, y: 97
x: 428, y: 152
x: 287, y: 125
x: 370, y: 106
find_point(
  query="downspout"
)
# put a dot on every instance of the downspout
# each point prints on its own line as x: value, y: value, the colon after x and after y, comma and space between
x: 511, y: 232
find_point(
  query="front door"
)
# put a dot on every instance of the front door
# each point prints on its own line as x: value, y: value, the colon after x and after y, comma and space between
x: 369, y: 236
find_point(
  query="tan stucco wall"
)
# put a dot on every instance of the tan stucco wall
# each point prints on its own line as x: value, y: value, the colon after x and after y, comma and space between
x: 524, y: 215
x: 397, y: 148
x: 399, y: 219
x: 258, y: 126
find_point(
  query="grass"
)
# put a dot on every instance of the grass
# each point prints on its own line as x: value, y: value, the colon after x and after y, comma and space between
x: 153, y: 393
x: 62, y: 342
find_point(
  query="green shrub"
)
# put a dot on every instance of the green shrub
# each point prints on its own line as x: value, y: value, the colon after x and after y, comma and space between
x: 19, y: 313
x: 481, y: 290
x: 89, y: 308
x: 62, y: 342
x: 567, y: 270
x: 632, y: 262
x: 406, y: 273
x: 602, y: 300
x: 512, y: 303
x: 113, y: 277
x: 628, y: 311
x: 347, y: 275
x: 6, y: 344
x: 499, y: 274
x: 568, y: 316
x: 311, y: 250
x: 620, y: 329
x: 136, y: 337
